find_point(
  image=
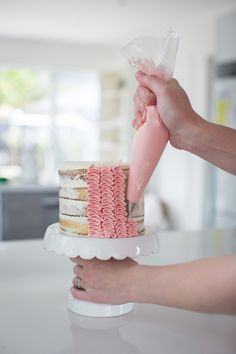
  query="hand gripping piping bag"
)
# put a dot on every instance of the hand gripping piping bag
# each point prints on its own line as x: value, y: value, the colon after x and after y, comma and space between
x: 155, y: 56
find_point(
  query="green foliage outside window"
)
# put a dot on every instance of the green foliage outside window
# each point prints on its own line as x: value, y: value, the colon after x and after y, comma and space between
x: 20, y: 87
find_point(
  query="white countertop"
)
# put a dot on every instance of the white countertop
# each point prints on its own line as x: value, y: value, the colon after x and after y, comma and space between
x: 34, y: 286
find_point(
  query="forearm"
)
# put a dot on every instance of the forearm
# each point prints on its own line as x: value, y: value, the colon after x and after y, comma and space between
x: 204, y: 285
x: 212, y: 142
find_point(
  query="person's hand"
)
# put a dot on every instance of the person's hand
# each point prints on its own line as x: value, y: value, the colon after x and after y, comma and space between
x: 173, y: 104
x: 103, y: 281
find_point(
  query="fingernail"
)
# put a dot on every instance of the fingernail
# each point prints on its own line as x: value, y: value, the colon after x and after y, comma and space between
x: 134, y: 122
x: 73, y: 290
x: 140, y: 74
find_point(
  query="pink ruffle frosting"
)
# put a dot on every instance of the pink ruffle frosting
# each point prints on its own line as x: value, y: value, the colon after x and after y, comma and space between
x: 107, y: 215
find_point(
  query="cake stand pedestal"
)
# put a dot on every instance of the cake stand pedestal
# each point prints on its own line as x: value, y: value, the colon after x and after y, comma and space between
x: 103, y: 249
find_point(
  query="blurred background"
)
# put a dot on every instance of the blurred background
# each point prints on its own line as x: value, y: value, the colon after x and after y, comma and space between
x: 66, y: 93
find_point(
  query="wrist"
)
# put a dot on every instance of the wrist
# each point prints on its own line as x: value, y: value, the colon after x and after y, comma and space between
x: 133, y: 283
x: 188, y: 137
x: 140, y: 284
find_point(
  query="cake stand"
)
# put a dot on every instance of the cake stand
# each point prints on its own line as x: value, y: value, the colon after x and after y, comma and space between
x: 103, y: 249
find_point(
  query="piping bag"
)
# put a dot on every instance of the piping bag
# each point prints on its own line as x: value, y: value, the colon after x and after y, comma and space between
x: 153, y: 56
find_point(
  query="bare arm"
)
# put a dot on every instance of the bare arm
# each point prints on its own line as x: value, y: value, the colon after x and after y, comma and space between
x: 214, y: 143
x: 207, y: 285
x: 188, y: 130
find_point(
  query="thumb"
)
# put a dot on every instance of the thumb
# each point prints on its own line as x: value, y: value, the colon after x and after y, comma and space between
x: 152, y: 82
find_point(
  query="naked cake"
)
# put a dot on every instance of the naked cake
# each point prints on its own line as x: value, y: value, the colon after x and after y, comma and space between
x: 92, y: 201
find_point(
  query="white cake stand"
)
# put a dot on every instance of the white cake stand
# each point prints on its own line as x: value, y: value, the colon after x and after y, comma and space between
x: 103, y: 249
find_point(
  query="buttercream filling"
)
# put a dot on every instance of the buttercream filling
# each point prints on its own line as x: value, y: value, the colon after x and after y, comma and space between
x: 72, y: 207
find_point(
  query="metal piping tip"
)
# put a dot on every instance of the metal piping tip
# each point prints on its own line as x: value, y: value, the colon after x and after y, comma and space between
x: 131, y: 208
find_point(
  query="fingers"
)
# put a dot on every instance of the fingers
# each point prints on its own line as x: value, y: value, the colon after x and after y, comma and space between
x: 151, y: 82
x: 138, y: 120
x: 80, y: 294
x: 139, y: 104
x: 139, y: 111
x: 146, y: 96
x: 83, y: 262
x: 77, y: 260
x: 87, y: 295
x: 142, y: 98
x: 84, y: 291
x: 77, y: 269
x: 101, y: 282
x: 82, y: 269
x: 78, y: 283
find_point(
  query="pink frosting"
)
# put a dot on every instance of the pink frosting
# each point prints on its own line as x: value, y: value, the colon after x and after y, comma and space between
x: 120, y: 205
x: 107, y: 214
x: 107, y: 202
x: 94, y: 202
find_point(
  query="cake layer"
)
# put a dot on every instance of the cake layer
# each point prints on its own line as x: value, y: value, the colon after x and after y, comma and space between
x: 73, y: 207
x: 73, y: 179
x: 84, y: 165
x: 73, y: 193
x: 73, y: 224
x: 78, y: 225
x: 74, y: 202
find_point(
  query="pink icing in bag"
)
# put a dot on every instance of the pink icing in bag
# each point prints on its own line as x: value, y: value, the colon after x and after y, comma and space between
x: 156, y: 56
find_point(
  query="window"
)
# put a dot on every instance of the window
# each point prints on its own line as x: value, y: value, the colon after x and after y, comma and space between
x: 46, y: 118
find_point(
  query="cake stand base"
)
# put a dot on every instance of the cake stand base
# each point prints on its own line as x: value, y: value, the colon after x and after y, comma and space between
x: 91, y: 309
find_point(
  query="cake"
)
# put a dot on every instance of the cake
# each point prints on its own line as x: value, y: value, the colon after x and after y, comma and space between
x: 92, y: 201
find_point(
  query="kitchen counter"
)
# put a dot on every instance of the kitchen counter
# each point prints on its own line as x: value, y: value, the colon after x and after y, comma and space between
x: 34, y: 285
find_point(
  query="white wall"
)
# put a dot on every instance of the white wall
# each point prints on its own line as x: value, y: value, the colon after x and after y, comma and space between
x: 226, y: 31
x: 56, y: 54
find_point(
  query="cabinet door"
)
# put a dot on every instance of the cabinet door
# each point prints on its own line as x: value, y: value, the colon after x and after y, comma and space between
x: 50, y: 209
x: 27, y: 215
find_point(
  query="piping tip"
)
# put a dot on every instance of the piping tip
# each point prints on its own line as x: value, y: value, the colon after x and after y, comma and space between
x: 131, y: 208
